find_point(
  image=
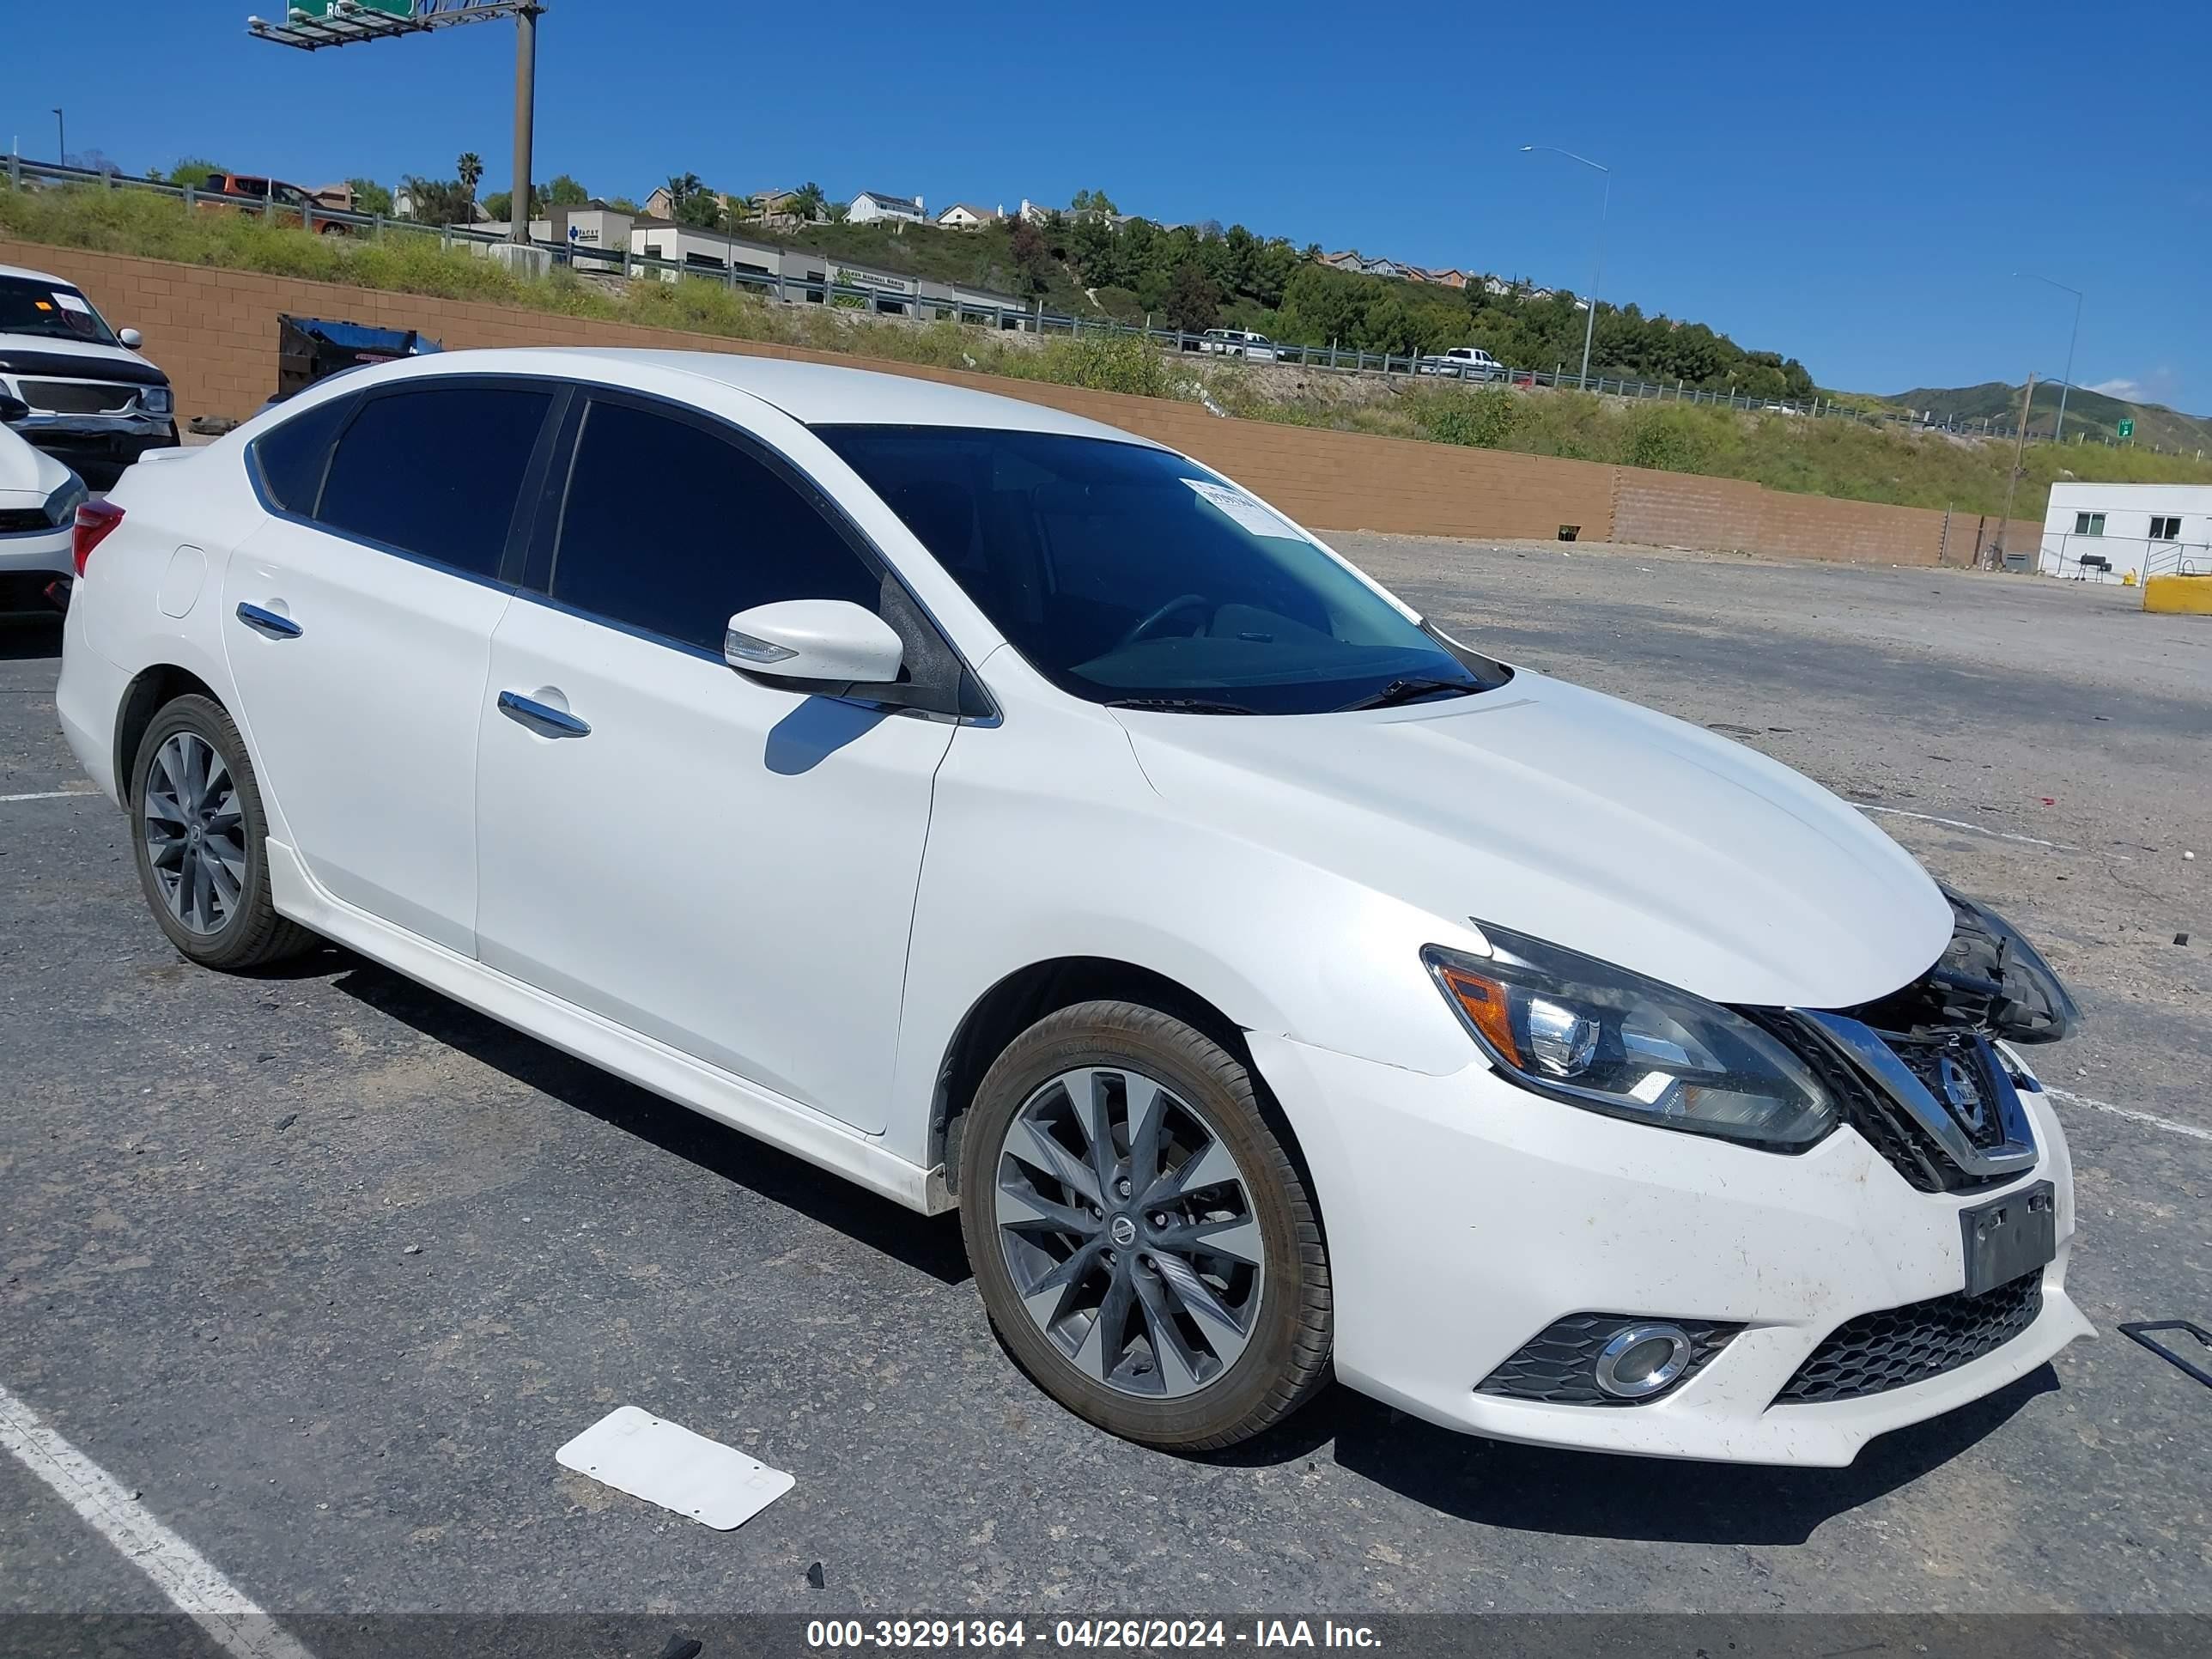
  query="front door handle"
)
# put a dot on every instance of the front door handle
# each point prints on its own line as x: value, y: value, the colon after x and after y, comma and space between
x: 269, y: 621
x: 542, y: 717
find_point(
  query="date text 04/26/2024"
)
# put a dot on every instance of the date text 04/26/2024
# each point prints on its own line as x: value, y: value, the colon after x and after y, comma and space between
x: 1112, y: 1634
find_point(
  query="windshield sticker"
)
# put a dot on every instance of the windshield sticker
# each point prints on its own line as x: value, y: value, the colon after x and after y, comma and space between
x: 71, y: 302
x: 1242, y: 509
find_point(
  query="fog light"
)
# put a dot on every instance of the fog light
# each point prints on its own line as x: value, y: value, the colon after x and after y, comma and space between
x: 1642, y: 1359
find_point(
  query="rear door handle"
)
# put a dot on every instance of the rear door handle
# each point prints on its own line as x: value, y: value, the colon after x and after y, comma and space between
x: 269, y: 621
x: 542, y: 717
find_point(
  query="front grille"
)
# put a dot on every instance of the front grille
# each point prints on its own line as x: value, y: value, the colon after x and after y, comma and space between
x: 15, y: 520
x: 1557, y: 1364
x: 1888, y: 1127
x: 1924, y: 1056
x: 75, y: 396
x: 1878, y: 1351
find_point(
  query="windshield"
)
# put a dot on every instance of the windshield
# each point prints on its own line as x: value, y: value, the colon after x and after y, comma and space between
x: 1130, y: 575
x: 30, y: 307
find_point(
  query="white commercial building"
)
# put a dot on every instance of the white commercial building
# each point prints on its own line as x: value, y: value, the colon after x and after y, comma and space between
x: 2100, y: 530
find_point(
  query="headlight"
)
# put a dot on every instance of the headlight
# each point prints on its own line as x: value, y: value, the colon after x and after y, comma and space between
x: 155, y: 400
x: 62, y: 505
x: 1585, y: 1032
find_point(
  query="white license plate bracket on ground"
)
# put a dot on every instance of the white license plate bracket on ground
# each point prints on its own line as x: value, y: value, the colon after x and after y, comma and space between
x: 634, y: 1451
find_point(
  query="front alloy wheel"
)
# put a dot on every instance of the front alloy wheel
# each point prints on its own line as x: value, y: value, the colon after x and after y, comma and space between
x: 1127, y: 1229
x: 1140, y: 1230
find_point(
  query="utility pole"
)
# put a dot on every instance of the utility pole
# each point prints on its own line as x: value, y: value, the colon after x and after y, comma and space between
x: 2019, y: 453
x: 1597, y: 276
x: 61, y: 137
x: 526, y: 100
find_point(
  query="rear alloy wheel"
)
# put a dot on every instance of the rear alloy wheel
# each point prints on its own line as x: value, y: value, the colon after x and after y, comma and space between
x: 1143, y: 1241
x: 198, y: 830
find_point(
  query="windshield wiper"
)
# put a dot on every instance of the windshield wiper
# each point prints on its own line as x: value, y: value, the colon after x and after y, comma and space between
x: 1183, y: 705
x: 1399, y: 691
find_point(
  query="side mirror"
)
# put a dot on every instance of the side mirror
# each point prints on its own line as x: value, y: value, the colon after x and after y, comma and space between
x: 830, y: 640
x: 13, y: 409
x: 131, y: 337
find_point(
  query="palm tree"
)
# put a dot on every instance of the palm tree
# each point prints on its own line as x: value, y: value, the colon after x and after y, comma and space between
x: 471, y: 171
x: 808, y: 202
x: 682, y: 187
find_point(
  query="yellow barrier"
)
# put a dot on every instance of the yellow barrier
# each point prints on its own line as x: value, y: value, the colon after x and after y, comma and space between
x: 2189, y: 596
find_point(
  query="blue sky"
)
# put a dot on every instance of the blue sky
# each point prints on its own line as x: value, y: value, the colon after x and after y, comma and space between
x: 1854, y: 186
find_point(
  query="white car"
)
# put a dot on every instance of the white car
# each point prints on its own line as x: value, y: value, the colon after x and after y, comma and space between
x: 1008, y: 813
x: 39, y: 498
x: 92, y: 402
x: 1238, y: 342
x: 1464, y: 362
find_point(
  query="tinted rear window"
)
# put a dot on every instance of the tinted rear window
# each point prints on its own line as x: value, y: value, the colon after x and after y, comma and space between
x: 292, y: 456
x: 436, y: 471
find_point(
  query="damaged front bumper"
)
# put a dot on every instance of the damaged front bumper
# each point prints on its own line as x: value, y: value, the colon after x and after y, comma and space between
x: 1467, y: 1218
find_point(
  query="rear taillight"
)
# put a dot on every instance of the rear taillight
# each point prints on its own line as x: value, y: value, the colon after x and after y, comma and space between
x: 95, y: 519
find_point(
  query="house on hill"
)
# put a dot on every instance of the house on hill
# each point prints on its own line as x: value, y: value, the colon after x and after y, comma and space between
x: 967, y: 215
x: 870, y: 206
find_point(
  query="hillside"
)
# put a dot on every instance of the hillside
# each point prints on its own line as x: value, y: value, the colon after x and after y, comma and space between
x: 1814, y: 457
x: 2091, y: 413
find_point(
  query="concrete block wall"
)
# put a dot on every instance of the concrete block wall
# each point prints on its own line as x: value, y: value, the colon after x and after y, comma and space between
x: 215, y: 332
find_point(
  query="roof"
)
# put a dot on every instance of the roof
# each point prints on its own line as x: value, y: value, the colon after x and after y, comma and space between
x: 36, y: 276
x: 818, y: 394
x: 889, y: 199
x: 970, y: 207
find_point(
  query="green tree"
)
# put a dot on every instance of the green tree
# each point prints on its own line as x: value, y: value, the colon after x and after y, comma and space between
x: 192, y: 171
x: 1194, y: 303
x: 808, y: 201
x: 438, y: 201
x: 1025, y: 245
x: 700, y: 210
x: 1092, y: 201
x: 565, y: 191
x: 369, y: 196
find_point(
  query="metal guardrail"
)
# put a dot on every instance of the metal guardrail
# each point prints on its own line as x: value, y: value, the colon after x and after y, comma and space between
x: 1029, y: 319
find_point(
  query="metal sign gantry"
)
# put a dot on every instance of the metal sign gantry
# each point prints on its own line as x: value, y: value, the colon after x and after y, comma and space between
x: 313, y: 24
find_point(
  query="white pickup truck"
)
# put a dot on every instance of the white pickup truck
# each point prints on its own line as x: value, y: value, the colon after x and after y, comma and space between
x: 1463, y: 362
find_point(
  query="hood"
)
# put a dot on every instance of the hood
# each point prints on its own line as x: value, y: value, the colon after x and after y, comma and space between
x: 28, y: 475
x: 50, y: 353
x: 1599, y: 826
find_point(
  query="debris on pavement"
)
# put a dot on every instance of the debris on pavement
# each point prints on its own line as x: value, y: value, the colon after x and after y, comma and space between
x: 666, y: 1463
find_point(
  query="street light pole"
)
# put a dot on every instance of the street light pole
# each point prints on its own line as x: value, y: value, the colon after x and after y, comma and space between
x: 1597, y: 275
x: 2058, y: 434
x: 61, y: 137
x: 525, y: 101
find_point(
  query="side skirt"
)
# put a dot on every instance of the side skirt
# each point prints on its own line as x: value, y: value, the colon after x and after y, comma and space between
x: 717, y: 1094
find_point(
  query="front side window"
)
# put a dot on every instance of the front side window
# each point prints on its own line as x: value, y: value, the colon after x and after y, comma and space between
x: 2088, y: 524
x: 2165, y: 530
x: 436, y: 471
x: 674, y: 527
x: 1128, y: 575
x: 30, y: 305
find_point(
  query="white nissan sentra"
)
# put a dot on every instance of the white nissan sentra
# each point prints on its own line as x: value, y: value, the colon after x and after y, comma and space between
x: 1008, y: 813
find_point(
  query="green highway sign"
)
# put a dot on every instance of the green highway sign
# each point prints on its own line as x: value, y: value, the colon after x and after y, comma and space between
x: 2127, y: 429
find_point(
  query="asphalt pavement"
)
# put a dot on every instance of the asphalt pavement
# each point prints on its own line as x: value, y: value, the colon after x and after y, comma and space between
x: 324, y: 1267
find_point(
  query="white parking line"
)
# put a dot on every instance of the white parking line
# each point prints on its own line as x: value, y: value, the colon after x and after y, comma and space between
x: 2128, y: 1113
x: 50, y: 794
x: 1960, y: 823
x: 182, y: 1573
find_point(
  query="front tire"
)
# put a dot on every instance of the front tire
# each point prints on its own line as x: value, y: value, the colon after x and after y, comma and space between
x: 1144, y: 1241
x: 200, y: 835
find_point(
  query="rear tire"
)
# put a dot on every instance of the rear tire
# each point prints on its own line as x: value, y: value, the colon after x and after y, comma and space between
x: 200, y: 837
x: 1143, y: 1240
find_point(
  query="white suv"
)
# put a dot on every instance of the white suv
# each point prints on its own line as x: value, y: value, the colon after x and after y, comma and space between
x: 1006, y: 812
